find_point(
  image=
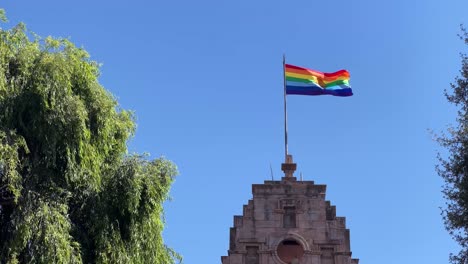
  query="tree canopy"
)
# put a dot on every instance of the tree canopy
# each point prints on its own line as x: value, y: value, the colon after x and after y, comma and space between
x: 69, y: 192
x: 454, y: 168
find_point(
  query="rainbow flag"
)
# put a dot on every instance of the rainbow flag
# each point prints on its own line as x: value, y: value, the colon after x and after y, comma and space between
x: 309, y: 82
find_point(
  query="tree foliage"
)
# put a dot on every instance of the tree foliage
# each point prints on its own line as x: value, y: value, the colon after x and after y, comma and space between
x: 454, y: 168
x: 69, y: 193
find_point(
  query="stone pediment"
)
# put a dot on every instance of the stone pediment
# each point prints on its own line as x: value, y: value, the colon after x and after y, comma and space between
x: 289, y: 221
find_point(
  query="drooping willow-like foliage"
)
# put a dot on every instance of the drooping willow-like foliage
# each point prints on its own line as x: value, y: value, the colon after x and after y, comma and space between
x: 69, y: 192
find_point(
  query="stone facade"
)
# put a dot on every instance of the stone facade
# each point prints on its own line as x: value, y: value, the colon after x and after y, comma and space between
x: 289, y: 221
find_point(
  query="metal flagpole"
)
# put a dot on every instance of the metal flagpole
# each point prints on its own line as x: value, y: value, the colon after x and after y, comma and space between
x: 288, y: 167
x: 285, y: 112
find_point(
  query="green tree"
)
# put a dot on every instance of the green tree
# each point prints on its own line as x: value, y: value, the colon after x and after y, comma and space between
x: 69, y: 192
x: 454, y: 168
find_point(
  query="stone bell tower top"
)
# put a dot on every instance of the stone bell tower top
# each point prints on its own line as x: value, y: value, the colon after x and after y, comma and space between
x: 289, y: 222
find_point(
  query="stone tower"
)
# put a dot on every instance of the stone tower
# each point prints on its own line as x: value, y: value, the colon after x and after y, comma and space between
x: 289, y: 222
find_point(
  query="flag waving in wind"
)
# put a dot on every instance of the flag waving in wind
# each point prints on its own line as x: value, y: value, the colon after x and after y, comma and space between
x: 304, y: 81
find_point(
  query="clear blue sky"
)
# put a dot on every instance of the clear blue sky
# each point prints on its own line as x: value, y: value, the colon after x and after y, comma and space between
x: 205, y: 80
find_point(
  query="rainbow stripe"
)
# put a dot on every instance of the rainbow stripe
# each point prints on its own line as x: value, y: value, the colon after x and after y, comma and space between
x: 309, y: 82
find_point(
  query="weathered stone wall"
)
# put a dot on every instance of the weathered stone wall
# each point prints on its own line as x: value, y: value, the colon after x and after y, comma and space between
x: 289, y: 221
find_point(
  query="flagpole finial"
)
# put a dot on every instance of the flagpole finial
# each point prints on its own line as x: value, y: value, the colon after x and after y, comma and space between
x: 288, y: 167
